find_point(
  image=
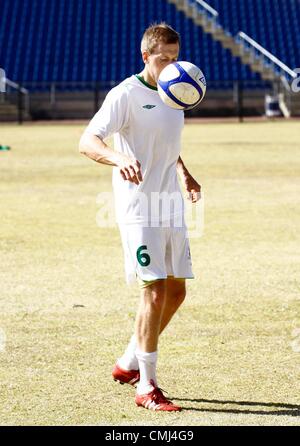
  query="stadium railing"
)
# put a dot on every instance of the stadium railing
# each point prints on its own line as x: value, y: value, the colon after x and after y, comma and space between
x: 80, y: 100
x: 13, y: 93
x: 63, y: 100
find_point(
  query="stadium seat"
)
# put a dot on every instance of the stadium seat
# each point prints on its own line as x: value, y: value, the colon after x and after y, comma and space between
x: 83, y: 41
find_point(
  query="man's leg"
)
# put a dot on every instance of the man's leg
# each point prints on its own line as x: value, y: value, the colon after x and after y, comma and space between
x: 154, y: 305
x: 174, y: 297
x: 149, y: 315
x: 159, y: 302
x: 147, y: 328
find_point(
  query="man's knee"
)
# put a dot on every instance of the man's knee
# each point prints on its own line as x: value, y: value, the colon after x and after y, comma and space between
x: 155, y: 293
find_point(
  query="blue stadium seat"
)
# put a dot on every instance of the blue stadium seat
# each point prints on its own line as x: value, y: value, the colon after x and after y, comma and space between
x: 91, y: 40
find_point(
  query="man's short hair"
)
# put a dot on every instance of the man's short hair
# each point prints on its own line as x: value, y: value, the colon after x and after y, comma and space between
x: 157, y: 33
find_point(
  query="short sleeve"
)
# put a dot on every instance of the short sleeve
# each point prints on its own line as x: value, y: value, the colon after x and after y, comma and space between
x: 113, y: 114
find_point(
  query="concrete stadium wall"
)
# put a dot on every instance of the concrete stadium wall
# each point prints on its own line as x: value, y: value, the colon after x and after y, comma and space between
x: 83, y: 105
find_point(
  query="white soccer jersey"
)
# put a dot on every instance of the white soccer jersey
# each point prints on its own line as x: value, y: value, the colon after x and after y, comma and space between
x: 146, y: 129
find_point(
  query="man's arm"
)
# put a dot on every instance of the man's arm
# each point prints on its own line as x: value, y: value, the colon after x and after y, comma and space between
x: 95, y: 148
x: 190, y: 184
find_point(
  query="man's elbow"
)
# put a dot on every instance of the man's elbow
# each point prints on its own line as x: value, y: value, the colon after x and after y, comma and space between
x: 83, y: 145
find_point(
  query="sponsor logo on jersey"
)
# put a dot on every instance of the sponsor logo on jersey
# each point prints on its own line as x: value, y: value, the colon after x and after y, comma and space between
x: 149, y: 106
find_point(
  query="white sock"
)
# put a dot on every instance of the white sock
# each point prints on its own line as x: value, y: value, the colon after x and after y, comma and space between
x: 129, y: 360
x: 147, y: 366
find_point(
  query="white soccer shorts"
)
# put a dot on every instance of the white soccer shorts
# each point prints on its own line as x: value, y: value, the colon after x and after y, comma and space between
x: 155, y: 253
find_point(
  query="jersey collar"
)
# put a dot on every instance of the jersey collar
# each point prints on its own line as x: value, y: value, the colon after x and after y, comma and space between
x: 141, y: 79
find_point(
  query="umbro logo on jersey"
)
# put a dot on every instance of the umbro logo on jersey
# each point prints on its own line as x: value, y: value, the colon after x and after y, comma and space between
x: 149, y: 106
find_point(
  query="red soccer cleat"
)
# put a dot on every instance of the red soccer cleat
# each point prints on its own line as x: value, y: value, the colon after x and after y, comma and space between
x: 155, y: 400
x: 125, y: 376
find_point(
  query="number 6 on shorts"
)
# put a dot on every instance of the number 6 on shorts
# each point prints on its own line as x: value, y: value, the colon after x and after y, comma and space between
x: 143, y: 258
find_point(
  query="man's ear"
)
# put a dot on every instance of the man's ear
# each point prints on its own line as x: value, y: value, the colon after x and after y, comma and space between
x: 145, y: 56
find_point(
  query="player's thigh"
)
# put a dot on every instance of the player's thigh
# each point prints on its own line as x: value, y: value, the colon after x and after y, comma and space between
x: 154, y: 292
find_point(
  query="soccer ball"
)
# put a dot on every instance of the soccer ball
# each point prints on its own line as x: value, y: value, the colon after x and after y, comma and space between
x: 181, y: 85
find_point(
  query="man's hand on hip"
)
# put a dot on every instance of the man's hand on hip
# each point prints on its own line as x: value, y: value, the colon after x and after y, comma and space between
x: 130, y: 169
x: 192, y: 187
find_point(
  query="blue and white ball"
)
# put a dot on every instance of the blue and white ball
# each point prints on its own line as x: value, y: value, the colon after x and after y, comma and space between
x: 181, y: 85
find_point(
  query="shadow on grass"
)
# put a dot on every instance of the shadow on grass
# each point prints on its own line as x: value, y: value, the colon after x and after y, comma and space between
x: 291, y: 410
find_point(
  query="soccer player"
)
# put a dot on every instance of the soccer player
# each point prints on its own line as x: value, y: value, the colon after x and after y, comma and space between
x: 149, y: 204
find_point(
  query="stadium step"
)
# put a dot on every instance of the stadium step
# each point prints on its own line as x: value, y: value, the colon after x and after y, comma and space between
x: 205, y: 16
x: 9, y: 113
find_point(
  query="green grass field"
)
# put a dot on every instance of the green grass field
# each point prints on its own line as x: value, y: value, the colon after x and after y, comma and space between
x: 230, y: 356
